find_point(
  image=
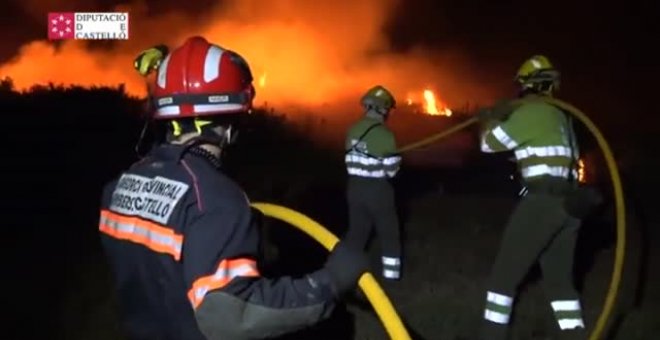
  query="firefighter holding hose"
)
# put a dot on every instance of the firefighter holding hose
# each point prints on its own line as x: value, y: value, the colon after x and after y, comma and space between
x: 544, y: 225
x: 179, y: 234
x: 371, y: 161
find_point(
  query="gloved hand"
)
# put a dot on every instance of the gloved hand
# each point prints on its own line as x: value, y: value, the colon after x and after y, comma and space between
x: 149, y: 60
x: 345, y: 265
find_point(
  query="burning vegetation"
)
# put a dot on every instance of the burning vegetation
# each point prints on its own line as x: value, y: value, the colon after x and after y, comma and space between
x: 428, y: 103
x: 301, y: 53
x: 582, y: 172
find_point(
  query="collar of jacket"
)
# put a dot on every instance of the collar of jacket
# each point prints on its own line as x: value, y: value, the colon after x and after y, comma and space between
x: 175, y: 152
x: 203, y: 153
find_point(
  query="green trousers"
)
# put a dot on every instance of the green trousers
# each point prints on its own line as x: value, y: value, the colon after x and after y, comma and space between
x: 539, y: 229
x: 371, y: 204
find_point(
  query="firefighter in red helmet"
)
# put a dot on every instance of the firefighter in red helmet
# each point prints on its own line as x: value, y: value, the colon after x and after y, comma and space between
x: 180, y: 235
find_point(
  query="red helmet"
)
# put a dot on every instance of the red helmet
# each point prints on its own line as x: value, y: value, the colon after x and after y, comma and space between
x: 202, y: 79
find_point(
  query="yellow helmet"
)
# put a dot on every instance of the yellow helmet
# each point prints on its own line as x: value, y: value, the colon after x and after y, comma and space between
x: 537, y: 73
x: 149, y: 59
x: 379, y: 97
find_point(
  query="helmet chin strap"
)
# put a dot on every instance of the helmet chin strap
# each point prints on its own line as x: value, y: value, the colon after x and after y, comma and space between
x: 231, y: 135
x: 219, y: 136
x: 544, y: 89
x: 206, y: 132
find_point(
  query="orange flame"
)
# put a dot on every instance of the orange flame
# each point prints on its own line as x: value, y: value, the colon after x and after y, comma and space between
x: 582, y: 175
x: 431, y: 105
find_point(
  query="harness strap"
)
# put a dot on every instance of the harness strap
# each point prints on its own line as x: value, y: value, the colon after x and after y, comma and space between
x: 364, y: 134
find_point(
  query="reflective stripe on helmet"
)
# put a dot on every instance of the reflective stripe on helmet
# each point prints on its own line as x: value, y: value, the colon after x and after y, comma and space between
x: 212, y: 63
x: 193, y: 99
x: 161, y: 80
x: 175, y: 110
x: 167, y: 107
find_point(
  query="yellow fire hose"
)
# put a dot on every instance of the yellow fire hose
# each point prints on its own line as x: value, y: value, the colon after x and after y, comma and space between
x: 379, y: 300
x: 597, y: 332
x: 433, y: 138
x: 367, y: 282
x: 610, y: 298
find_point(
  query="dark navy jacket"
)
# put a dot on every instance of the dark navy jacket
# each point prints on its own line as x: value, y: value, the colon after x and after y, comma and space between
x: 183, y: 246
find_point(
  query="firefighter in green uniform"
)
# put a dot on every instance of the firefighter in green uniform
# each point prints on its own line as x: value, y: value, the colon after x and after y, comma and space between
x: 371, y: 160
x: 542, y: 227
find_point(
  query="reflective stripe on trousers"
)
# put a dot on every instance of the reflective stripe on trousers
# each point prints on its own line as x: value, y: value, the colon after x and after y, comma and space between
x: 391, y: 267
x: 498, y: 307
x: 568, y: 314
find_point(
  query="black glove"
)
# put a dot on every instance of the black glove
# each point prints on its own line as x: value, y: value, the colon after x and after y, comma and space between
x: 582, y: 201
x: 345, y: 265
